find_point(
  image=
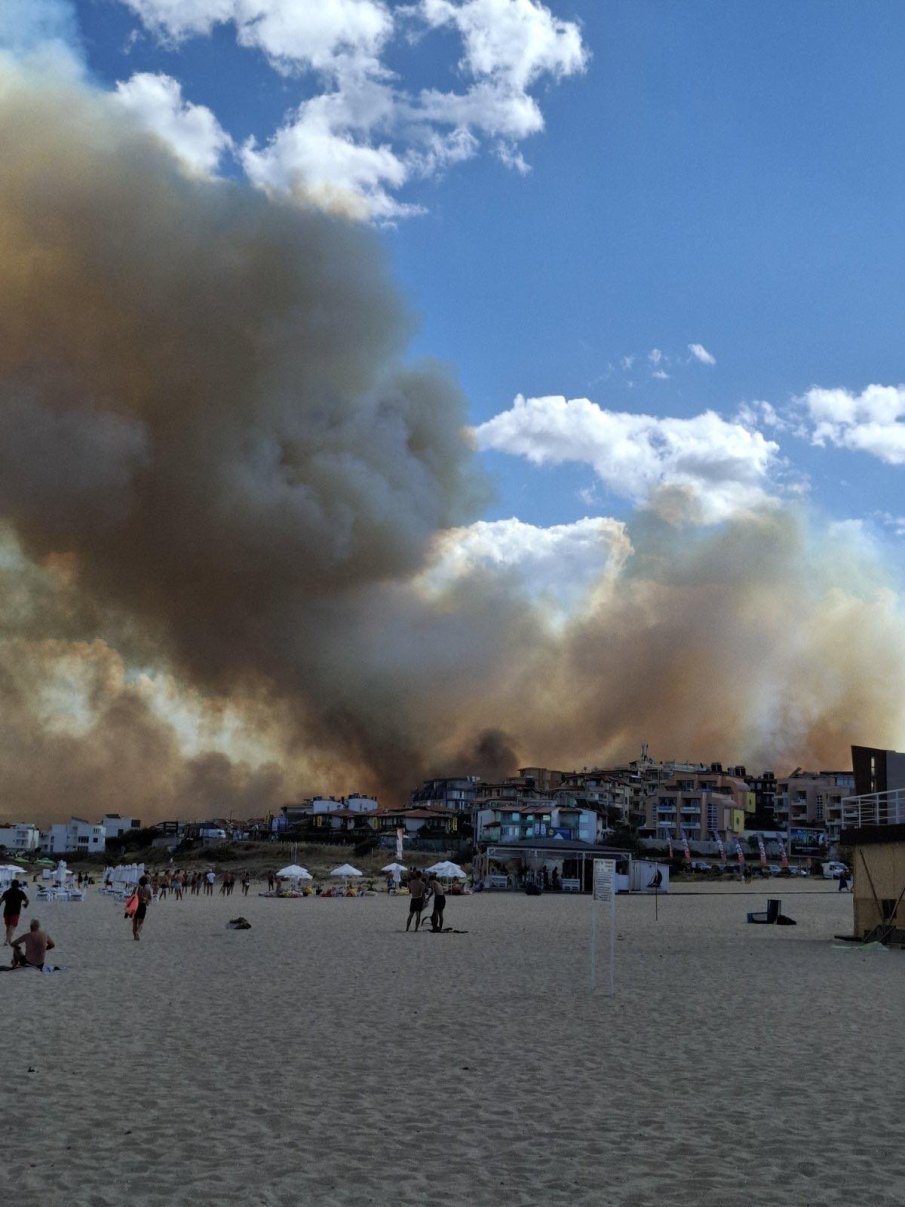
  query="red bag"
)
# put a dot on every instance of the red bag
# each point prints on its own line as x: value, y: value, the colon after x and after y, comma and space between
x: 131, y: 905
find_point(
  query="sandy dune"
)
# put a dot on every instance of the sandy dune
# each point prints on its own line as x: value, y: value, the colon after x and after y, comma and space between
x: 327, y: 1057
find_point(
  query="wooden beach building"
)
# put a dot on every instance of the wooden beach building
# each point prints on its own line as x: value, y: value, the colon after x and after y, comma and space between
x: 873, y: 836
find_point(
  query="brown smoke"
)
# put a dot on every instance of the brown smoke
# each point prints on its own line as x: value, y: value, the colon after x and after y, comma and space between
x: 216, y: 470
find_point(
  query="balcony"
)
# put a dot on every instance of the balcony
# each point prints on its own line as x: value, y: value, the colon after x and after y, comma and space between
x: 874, y: 809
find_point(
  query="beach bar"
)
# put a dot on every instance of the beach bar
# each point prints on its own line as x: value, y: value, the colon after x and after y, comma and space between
x: 517, y: 865
x: 874, y: 834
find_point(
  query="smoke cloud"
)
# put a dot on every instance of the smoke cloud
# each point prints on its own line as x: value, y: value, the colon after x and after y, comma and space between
x: 223, y: 489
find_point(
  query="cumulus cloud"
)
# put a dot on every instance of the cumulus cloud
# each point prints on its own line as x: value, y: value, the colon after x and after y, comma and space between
x: 560, y: 564
x: 362, y: 136
x: 703, y: 468
x: 700, y: 353
x: 190, y: 130
x: 870, y: 422
x: 293, y: 35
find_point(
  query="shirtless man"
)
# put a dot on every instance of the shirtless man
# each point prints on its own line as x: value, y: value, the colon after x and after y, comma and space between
x: 37, y: 944
x: 418, y: 892
x: 438, y: 892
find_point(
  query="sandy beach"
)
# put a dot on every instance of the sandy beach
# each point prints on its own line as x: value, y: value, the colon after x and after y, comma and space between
x: 327, y: 1057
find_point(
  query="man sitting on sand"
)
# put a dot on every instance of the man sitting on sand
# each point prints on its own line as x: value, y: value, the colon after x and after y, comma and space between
x: 37, y: 943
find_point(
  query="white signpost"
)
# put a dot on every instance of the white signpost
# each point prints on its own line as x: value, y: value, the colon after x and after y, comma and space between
x: 604, y: 897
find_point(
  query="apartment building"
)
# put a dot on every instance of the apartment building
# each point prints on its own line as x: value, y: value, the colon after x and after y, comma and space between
x: 75, y: 835
x: 20, y: 837
x: 699, y: 804
x: 813, y: 799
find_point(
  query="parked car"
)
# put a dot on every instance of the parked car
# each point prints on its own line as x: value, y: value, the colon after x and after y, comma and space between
x: 699, y: 865
x: 773, y: 869
x: 833, y: 870
x: 798, y: 869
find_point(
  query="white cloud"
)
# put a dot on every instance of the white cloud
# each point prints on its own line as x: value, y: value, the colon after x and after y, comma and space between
x: 514, y: 41
x: 699, y: 352
x: 870, y: 422
x: 318, y: 36
x: 559, y: 565
x: 324, y: 153
x: 361, y: 136
x: 191, y: 130
x: 704, y: 469
x: 660, y: 375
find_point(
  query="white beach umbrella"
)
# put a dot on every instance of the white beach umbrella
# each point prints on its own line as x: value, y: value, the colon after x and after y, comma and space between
x: 451, y: 871
x: 394, y: 867
x: 294, y: 872
x: 346, y: 869
x: 11, y: 869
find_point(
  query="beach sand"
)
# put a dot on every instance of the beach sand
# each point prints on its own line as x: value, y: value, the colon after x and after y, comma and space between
x: 327, y: 1057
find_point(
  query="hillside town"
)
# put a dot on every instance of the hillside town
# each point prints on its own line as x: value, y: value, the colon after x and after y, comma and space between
x: 682, y: 809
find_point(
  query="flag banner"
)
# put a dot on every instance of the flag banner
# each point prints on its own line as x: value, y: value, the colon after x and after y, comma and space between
x: 686, y: 846
x: 720, y: 847
x: 400, y: 834
x: 763, y: 851
x: 783, y: 854
x: 739, y: 853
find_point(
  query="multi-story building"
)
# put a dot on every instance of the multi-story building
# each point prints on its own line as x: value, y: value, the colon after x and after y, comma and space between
x: 877, y: 770
x: 609, y: 791
x: 115, y: 825
x: 699, y: 804
x: 813, y: 800
x: 20, y: 837
x: 456, y: 793
x: 323, y: 807
x: 75, y: 835
x: 764, y: 788
x: 513, y: 821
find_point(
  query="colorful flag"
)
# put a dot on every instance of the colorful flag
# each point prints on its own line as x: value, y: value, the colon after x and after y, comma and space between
x: 740, y: 853
x: 400, y: 834
x: 685, y: 845
x: 720, y: 847
x: 669, y: 844
x: 783, y: 854
x: 763, y: 850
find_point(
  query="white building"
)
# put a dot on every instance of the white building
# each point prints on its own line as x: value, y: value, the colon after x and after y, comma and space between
x: 20, y: 838
x: 73, y: 835
x: 115, y: 825
x: 354, y: 803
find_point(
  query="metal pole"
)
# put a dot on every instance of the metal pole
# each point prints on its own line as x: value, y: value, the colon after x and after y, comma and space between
x: 612, y: 975
x: 593, y: 940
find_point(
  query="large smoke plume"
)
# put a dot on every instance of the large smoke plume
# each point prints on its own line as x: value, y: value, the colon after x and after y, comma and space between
x: 221, y: 485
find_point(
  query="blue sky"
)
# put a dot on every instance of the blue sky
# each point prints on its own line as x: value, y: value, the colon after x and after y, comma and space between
x: 726, y: 175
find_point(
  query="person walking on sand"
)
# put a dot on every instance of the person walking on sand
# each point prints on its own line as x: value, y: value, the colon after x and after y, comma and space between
x: 209, y: 879
x: 246, y: 884
x: 143, y: 893
x: 13, y: 900
x: 417, y: 899
x: 438, y: 893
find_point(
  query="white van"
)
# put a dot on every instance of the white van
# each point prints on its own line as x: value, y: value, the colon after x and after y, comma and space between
x: 832, y: 871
